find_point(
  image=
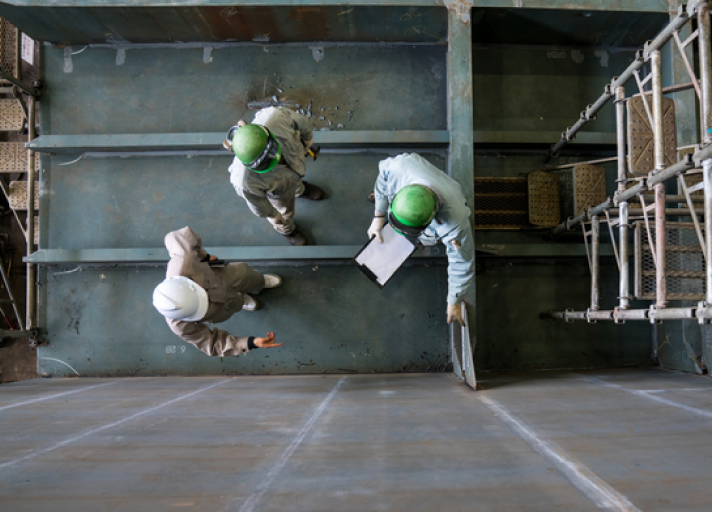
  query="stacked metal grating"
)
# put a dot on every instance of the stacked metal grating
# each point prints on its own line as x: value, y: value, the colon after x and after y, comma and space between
x: 684, y: 263
x: 501, y: 203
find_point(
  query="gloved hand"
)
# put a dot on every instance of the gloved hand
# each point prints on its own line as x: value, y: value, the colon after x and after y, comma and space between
x: 376, y: 228
x: 455, y: 313
x: 307, y: 145
x: 267, y: 341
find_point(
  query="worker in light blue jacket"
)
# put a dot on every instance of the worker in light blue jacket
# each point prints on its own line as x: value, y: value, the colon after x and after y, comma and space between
x: 419, y: 200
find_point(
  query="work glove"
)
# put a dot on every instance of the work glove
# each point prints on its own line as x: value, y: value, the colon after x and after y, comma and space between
x: 376, y: 228
x: 455, y: 313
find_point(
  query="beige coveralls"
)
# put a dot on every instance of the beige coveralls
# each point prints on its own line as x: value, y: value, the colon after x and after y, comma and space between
x: 225, y: 287
x: 271, y: 194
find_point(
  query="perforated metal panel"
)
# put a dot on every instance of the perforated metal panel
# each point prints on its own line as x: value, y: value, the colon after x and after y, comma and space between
x: 684, y: 263
x: 641, y: 156
x: 11, y: 116
x: 18, y: 195
x: 8, y: 47
x: 13, y: 157
x: 543, y: 198
x: 589, y: 187
x: 501, y: 203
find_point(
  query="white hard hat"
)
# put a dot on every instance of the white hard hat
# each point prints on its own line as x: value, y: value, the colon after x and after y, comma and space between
x: 180, y: 298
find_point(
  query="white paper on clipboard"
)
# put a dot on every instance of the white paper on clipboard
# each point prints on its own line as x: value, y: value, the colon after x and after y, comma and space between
x: 383, y: 259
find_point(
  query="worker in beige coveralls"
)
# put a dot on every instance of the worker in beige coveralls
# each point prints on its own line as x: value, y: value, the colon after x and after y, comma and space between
x: 194, y: 293
x: 268, y: 168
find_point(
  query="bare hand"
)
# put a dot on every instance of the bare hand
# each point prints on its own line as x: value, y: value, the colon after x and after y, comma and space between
x: 213, y: 258
x: 267, y: 342
x: 455, y: 313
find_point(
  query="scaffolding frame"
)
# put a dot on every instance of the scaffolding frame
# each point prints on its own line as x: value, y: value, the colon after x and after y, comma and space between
x: 655, y: 179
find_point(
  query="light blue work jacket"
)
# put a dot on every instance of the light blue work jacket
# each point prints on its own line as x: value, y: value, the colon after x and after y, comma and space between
x: 451, y: 225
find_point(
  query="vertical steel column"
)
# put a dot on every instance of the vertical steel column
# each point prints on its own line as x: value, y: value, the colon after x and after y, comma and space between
x: 595, y: 245
x: 461, y: 164
x: 31, y: 268
x: 624, y: 278
x: 659, y: 139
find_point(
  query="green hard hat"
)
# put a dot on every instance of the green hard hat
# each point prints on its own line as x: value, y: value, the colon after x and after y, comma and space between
x: 255, y: 147
x: 414, y: 206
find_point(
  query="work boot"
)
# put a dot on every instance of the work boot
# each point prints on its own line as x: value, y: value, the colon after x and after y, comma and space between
x: 250, y: 303
x: 312, y: 192
x: 296, y: 238
x: 272, y: 280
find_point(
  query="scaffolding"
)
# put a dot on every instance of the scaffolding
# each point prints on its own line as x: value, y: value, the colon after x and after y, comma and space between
x: 665, y: 251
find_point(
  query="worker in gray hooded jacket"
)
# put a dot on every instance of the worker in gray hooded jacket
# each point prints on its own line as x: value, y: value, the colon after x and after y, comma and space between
x: 268, y: 168
x: 194, y: 292
x: 420, y: 200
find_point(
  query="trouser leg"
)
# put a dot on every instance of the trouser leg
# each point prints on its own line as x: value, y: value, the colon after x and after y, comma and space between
x: 284, y: 224
x: 240, y: 278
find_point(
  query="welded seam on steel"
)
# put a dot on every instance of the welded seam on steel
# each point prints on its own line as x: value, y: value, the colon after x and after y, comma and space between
x: 56, y: 395
x: 96, y: 430
x: 254, y: 498
x: 591, y: 485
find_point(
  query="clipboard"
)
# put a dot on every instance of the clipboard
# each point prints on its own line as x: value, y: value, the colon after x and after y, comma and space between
x: 379, y: 261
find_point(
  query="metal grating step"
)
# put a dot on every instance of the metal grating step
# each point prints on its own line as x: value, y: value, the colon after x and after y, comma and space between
x: 8, y: 48
x: 543, y: 198
x: 18, y: 195
x: 13, y: 157
x: 589, y: 187
x: 640, y: 135
x: 12, y: 117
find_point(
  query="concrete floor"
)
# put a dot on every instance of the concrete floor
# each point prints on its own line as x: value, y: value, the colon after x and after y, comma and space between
x: 617, y: 440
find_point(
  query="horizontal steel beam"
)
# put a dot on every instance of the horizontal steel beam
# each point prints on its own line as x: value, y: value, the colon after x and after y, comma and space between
x: 6, y: 335
x: 212, y: 141
x: 295, y: 254
x: 344, y: 139
x: 585, y: 5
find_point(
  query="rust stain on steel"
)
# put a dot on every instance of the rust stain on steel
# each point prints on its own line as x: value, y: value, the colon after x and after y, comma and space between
x: 236, y: 23
x: 311, y: 22
x: 461, y: 7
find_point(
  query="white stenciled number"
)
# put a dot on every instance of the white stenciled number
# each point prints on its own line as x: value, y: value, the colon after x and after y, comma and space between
x: 182, y: 349
x: 171, y: 349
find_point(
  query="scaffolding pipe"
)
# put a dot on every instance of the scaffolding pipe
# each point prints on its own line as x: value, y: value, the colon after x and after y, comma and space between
x: 624, y: 278
x: 31, y: 268
x: 680, y: 166
x: 595, y: 267
x: 659, y: 154
x: 629, y: 193
x: 673, y: 212
x: 619, y: 316
x: 589, y: 113
x: 671, y: 198
x: 705, y: 52
x: 6, y: 281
